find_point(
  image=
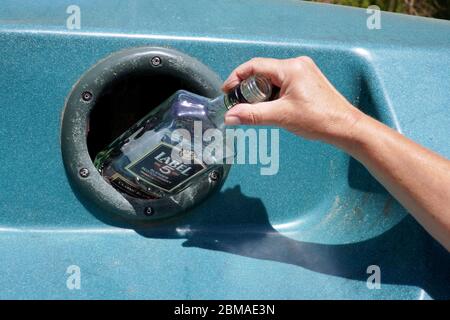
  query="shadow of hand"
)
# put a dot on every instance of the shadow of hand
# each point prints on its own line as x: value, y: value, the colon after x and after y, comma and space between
x: 406, y: 254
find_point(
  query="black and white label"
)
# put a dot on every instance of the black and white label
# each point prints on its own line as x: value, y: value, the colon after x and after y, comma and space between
x: 159, y: 169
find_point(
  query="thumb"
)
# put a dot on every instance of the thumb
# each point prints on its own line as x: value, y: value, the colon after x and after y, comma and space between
x: 264, y: 113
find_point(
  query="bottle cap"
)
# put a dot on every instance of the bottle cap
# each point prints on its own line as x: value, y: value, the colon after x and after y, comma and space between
x: 256, y: 89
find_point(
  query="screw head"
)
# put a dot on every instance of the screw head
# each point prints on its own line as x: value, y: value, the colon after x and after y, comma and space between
x: 86, y: 96
x: 214, y: 175
x: 156, y: 61
x: 149, y: 211
x: 84, y: 172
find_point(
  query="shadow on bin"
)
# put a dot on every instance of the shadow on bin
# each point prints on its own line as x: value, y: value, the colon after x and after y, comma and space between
x: 241, y: 226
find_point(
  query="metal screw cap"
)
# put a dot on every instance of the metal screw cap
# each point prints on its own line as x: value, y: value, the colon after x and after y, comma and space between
x: 214, y: 175
x: 156, y: 61
x: 86, y: 96
x: 149, y: 211
x: 84, y: 172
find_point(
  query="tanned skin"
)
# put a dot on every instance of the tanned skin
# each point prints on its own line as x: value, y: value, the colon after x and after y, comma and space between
x: 309, y: 106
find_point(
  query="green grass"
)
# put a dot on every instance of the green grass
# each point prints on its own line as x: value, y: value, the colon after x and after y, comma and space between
x: 427, y: 8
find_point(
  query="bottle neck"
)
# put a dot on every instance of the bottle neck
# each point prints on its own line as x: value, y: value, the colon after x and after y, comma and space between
x: 228, y: 100
x: 252, y: 90
x: 233, y: 98
x: 217, y: 109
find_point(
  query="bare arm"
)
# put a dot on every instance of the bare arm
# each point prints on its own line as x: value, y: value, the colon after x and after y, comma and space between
x: 311, y: 107
x: 418, y: 178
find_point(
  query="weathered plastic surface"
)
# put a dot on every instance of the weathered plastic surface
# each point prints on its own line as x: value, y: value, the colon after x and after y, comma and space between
x: 310, y: 231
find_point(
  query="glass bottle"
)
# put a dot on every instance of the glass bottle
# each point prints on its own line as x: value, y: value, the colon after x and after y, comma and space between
x: 162, y: 153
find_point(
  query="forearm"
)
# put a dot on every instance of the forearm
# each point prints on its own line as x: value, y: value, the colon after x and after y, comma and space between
x: 309, y: 106
x: 417, y: 177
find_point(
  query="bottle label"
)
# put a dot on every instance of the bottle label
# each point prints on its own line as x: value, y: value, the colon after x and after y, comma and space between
x: 125, y: 186
x: 159, y: 169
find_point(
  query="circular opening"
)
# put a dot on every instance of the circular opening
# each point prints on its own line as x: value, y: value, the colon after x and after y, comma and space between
x: 106, y: 101
x: 125, y: 101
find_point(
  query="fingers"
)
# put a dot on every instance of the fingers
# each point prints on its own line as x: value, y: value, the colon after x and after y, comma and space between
x: 265, y: 113
x: 268, y: 67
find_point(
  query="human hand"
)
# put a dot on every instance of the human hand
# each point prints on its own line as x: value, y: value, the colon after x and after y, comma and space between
x: 308, y: 104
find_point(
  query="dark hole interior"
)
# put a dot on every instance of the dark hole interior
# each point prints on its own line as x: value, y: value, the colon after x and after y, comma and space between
x: 124, y: 102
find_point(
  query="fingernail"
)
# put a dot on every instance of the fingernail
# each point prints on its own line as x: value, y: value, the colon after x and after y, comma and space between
x: 232, y: 120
